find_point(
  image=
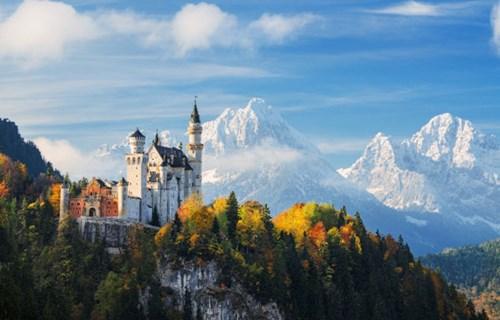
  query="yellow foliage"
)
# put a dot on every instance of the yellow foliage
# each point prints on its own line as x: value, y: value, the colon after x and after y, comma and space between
x: 55, y: 196
x: 162, y: 233
x: 219, y: 206
x: 193, y: 240
x: 250, y: 224
x: 190, y: 206
x: 293, y: 221
x: 202, y: 219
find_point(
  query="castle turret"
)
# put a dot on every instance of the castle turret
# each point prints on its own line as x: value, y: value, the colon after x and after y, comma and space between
x: 137, y: 162
x: 137, y: 141
x: 64, y: 202
x: 122, y: 190
x: 195, y: 147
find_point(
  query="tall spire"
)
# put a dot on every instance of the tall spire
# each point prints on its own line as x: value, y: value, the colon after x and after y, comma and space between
x: 195, y: 116
x: 156, y: 140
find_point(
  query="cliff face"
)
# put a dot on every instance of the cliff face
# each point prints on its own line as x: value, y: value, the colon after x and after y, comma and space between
x: 213, y: 302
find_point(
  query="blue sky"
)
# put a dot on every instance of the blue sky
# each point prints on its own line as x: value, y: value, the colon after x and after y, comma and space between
x: 87, y: 71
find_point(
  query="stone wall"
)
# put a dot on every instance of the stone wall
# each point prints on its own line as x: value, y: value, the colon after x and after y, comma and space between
x: 113, y: 231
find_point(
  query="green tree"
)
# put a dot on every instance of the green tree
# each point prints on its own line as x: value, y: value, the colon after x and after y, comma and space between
x: 232, y: 216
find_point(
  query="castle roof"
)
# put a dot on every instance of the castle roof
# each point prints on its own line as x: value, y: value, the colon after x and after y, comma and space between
x: 137, y: 134
x: 195, y: 116
x: 172, y: 156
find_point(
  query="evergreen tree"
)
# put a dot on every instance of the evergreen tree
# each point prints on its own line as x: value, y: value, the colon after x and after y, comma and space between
x: 232, y: 216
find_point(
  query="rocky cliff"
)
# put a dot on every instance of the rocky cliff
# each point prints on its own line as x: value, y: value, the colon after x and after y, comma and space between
x: 208, y: 299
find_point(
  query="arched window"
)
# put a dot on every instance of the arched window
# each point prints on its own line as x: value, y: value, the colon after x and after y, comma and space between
x: 133, y: 160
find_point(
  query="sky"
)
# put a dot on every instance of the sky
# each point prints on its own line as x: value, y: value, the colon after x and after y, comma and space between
x: 77, y: 74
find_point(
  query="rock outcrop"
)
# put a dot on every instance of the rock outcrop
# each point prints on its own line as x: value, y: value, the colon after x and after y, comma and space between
x: 213, y: 301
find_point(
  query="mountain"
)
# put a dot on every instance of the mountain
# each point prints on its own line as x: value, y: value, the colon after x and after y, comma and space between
x: 14, y: 146
x: 256, y: 153
x: 448, y: 170
x: 253, y: 150
x: 475, y: 270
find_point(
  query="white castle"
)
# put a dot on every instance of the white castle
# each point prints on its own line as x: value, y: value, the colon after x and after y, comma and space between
x: 158, y: 179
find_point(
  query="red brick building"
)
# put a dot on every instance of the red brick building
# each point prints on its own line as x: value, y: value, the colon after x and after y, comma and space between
x: 99, y: 199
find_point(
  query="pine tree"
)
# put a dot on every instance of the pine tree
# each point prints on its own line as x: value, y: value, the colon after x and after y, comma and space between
x: 215, y: 228
x: 232, y: 216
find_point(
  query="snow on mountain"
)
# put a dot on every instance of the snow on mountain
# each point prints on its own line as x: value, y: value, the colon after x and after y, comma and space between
x: 448, y: 167
x: 256, y: 153
x: 250, y: 126
x: 438, y: 189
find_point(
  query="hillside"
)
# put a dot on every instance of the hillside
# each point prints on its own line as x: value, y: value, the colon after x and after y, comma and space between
x: 14, y: 146
x: 221, y: 260
x: 475, y: 270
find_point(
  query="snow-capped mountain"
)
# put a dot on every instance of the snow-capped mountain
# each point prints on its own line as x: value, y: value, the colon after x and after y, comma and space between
x: 438, y: 188
x: 448, y: 168
x: 256, y: 153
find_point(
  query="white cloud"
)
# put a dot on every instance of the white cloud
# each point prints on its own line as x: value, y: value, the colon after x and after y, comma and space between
x: 77, y: 163
x: 267, y: 154
x: 412, y: 8
x: 201, y: 26
x: 40, y: 30
x: 277, y: 27
x: 495, y: 25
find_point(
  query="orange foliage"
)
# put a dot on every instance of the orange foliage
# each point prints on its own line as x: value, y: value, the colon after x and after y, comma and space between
x: 191, y: 205
x: 55, y: 196
x: 346, y: 232
x: 4, y: 190
x: 317, y: 234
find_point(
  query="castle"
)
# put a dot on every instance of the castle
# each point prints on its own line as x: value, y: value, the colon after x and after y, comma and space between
x: 158, y: 180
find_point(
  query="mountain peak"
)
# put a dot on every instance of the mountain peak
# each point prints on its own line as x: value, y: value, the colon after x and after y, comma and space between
x: 258, y: 105
x: 448, y: 138
x: 257, y: 122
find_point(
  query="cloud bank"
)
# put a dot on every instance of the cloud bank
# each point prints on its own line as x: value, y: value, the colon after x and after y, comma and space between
x: 69, y: 159
x: 41, y: 30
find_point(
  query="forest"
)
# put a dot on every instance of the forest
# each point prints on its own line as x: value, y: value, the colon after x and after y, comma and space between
x: 314, y: 260
x: 475, y: 270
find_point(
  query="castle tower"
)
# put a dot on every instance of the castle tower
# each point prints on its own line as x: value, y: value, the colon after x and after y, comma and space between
x: 122, y: 190
x: 195, y: 147
x: 64, y: 202
x: 137, y: 162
